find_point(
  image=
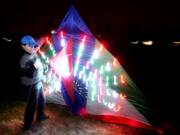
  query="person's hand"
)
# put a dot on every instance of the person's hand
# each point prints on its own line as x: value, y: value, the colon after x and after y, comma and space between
x: 38, y: 64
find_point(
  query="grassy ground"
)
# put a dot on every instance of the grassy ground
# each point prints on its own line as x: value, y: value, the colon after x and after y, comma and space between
x: 61, y: 122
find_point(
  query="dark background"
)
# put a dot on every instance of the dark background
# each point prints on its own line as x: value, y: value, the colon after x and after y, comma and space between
x: 155, y: 69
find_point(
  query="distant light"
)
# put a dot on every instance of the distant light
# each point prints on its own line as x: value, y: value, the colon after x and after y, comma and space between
x: 8, y: 40
x: 135, y: 42
x: 53, y: 32
x: 176, y: 43
x: 148, y: 43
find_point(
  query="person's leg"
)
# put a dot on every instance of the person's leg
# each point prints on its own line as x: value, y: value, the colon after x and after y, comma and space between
x: 30, y: 107
x: 41, y: 103
x: 41, y: 106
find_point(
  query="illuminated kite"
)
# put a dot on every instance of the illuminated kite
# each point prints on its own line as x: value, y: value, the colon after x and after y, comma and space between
x: 82, y: 74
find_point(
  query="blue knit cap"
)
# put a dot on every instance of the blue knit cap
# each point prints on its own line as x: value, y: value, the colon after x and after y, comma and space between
x: 28, y: 40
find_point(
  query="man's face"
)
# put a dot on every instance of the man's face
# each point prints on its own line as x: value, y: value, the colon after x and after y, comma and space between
x: 28, y: 48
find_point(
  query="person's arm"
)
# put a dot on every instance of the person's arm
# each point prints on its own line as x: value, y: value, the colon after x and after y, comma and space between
x: 40, y: 42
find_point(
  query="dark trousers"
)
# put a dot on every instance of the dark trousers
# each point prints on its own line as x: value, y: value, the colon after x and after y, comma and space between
x: 36, y: 101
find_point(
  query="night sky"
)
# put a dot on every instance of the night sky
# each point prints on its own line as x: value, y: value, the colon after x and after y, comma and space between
x: 40, y: 16
x: 153, y: 68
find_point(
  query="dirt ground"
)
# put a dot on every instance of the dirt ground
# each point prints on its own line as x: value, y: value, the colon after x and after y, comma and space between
x: 61, y: 122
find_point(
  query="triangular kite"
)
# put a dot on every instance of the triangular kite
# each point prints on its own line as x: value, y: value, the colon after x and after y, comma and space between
x: 82, y: 74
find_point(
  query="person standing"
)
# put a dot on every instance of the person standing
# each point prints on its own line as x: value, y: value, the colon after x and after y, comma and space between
x: 33, y: 69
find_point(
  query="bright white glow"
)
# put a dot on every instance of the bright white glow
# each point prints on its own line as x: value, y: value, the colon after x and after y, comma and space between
x: 76, y: 67
x: 84, y: 78
x: 53, y: 32
x: 101, y: 48
x: 111, y: 105
x: 75, y: 72
x: 77, y: 61
x: 91, y: 61
x: 176, y: 42
x: 63, y: 42
x: 62, y: 35
x: 80, y: 74
x: 81, y: 47
x: 84, y: 38
x: 61, y: 66
x: 50, y: 90
x: 115, y: 80
x: 79, y: 54
x: 57, y: 85
x: 108, y: 66
x: 51, y: 48
x: 93, y: 95
x: 148, y: 43
x: 84, y: 68
x: 115, y: 94
x: 95, y: 54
